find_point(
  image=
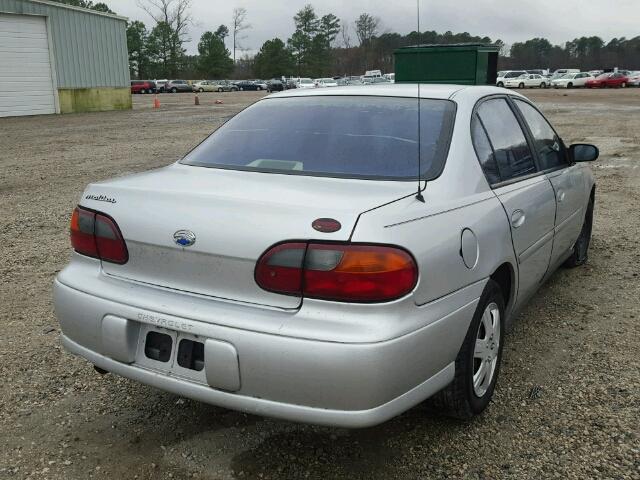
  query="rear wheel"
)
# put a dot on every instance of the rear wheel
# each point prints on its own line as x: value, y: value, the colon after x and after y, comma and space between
x: 521, y: 85
x: 220, y: 89
x: 569, y: 85
x: 543, y: 85
x: 174, y: 90
x: 580, y: 253
x: 500, y: 84
x: 201, y: 90
x: 478, y: 362
x: 258, y: 88
x: 623, y: 85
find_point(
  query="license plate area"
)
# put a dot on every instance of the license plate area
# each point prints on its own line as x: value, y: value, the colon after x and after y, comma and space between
x: 172, y: 353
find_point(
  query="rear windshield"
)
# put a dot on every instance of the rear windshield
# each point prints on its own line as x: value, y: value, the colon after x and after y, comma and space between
x: 337, y: 136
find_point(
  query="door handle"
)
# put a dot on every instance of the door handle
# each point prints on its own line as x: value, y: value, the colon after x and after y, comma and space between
x: 517, y: 218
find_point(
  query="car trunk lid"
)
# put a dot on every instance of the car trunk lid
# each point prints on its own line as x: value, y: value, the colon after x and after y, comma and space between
x: 235, y: 217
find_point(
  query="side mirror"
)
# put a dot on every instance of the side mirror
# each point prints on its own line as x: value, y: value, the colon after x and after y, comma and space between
x: 583, y: 152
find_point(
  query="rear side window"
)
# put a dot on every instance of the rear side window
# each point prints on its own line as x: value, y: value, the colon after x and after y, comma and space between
x: 339, y: 136
x: 484, y: 151
x: 551, y: 151
x: 512, y: 154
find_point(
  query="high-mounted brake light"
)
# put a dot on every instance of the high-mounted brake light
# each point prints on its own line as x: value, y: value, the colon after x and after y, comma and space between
x: 339, y: 272
x: 96, y: 235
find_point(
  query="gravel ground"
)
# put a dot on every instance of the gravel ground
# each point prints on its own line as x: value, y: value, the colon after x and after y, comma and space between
x: 568, y: 399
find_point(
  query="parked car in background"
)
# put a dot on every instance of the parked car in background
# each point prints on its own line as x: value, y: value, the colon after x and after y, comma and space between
x: 160, y: 85
x: 310, y: 277
x: 544, y: 73
x: 207, y: 86
x: 143, y: 86
x: 595, y: 73
x: 634, y: 79
x: 305, y: 83
x: 175, y: 86
x: 563, y: 71
x: 275, y: 85
x: 571, y: 80
x: 391, y: 77
x: 326, y: 82
x: 610, y: 80
x: 248, y: 85
x: 227, y: 86
x: 508, y: 75
x: 376, y: 80
x: 528, y: 80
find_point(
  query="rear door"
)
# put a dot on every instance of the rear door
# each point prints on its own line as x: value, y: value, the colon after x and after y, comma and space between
x: 566, y: 179
x: 526, y: 194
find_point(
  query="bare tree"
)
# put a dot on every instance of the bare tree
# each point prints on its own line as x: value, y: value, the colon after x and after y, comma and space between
x: 345, y: 34
x: 176, y: 15
x: 239, y: 24
x: 366, y: 28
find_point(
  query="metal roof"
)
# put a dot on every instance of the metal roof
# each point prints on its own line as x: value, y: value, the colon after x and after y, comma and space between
x: 79, y: 9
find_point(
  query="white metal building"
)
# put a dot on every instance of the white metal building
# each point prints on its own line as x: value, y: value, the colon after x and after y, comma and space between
x: 56, y: 58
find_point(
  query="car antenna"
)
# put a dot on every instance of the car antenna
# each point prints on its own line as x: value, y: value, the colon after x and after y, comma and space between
x: 419, y: 196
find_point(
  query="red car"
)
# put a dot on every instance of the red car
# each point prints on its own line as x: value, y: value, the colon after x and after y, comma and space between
x: 143, y: 86
x: 608, y: 80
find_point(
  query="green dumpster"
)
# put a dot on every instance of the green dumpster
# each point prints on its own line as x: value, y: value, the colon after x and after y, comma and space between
x: 464, y: 64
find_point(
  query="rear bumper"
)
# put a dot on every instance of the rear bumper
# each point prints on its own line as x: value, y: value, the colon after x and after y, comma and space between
x: 299, y: 379
x: 264, y: 407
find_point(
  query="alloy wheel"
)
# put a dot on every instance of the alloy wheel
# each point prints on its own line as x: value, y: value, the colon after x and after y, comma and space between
x: 487, y: 348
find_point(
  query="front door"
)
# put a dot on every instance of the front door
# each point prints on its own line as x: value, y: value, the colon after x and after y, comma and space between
x: 567, y: 180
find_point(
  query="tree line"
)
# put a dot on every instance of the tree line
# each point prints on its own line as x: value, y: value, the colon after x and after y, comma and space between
x: 324, y: 45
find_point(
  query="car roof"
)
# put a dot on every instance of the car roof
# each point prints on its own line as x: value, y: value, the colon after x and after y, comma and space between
x: 434, y: 91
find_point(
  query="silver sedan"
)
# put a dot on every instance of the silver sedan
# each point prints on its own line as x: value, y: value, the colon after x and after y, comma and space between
x: 332, y: 257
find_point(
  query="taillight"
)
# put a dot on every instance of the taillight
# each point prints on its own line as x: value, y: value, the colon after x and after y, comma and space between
x: 279, y: 270
x: 96, y: 235
x: 339, y: 272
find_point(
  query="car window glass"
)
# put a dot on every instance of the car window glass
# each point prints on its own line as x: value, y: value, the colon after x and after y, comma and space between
x: 551, y: 152
x: 512, y: 153
x: 341, y: 136
x: 484, y: 151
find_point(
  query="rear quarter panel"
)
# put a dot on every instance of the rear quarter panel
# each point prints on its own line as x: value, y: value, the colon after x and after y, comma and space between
x: 460, y: 198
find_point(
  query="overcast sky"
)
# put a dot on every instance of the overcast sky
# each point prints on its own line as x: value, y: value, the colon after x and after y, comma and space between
x: 509, y: 20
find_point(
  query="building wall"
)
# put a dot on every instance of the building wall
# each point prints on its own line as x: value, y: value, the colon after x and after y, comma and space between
x: 89, y: 52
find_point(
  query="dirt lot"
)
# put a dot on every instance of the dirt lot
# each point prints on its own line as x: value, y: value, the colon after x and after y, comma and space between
x: 567, y: 403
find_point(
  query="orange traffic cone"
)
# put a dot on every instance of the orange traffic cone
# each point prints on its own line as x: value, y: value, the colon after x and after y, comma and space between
x: 156, y: 101
x: 197, y: 100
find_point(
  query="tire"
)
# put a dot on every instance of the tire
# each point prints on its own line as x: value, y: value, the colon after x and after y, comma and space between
x: 242, y: 89
x: 462, y: 398
x: 201, y: 90
x: 258, y: 88
x: 220, y: 90
x: 580, y: 253
x: 543, y: 85
x: 569, y: 85
x: 500, y: 84
x: 521, y: 85
x: 623, y: 85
